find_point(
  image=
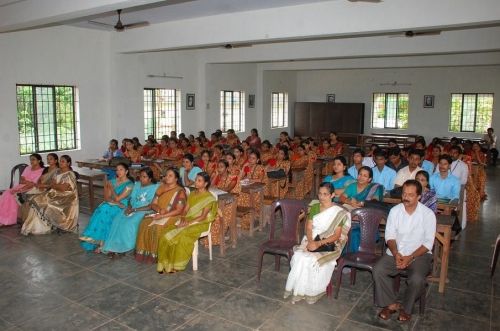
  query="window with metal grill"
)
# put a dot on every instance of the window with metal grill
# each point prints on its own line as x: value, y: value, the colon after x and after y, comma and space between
x: 279, y: 110
x: 390, y: 110
x: 48, y: 118
x: 471, y: 112
x: 161, y: 111
x: 232, y: 110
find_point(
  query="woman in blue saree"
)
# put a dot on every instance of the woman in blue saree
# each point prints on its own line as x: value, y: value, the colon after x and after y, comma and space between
x: 355, y: 196
x: 123, y: 232
x: 116, y: 193
x: 340, y: 179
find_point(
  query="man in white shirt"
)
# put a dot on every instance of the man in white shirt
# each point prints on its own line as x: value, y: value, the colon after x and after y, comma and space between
x: 458, y: 167
x: 409, y: 235
x: 490, y: 138
x: 414, y: 158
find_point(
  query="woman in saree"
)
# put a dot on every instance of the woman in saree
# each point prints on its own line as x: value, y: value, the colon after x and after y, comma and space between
x: 356, y: 194
x: 478, y: 163
x: 132, y: 152
x: 8, y: 202
x: 177, y: 243
x: 278, y: 189
x: 428, y: 197
x: 168, y: 204
x: 326, y: 152
x: 217, y: 153
x: 124, y: 226
x: 340, y: 179
x: 336, y: 145
x: 312, y: 263
x: 42, y: 185
x: 240, y: 156
x: 266, y: 152
x: 196, y: 146
x: 225, y: 181
x: 188, y: 170
x: 302, y: 159
x: 253, y: 139
x: 116, y: 193
x: 205, y: 163
x: 252, y: 172
x: 58, y: 207
x: 233, y: 168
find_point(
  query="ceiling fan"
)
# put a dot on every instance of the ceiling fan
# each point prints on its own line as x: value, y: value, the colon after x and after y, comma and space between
x: 411, y: 33
x: 119, y: 26
x: 372, y: 1
x: 232, y: 46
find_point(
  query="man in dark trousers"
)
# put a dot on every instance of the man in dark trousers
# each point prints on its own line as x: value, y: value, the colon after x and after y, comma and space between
x: 409, y: 235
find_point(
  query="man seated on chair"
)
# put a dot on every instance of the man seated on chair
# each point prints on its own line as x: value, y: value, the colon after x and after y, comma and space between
x: 382, y: 174
x: 409, y: 235
x: 446, y: 185
x: 409, y: 172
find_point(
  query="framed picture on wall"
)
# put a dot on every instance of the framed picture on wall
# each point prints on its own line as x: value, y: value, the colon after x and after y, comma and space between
x: 428, y: 101
x: 190, y: 101
x: 251, y: 101
x: 330, y: 98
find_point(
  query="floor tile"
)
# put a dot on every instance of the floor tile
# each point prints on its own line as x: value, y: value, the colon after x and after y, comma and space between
x: 151, y: 281
x: 469, y: 281
x: 205, y: 322
x: 112, y: 326
x: 245, y: 308
x: 228, y: 273
x: 437, y: 320
x: 115, y: 300
x: 348, y: 325
x: 66, y: 317
x: 463, y: 303
x: 157, y: 314
x: 293, y: 317
x: 198, y: 293
x: 120, y: 268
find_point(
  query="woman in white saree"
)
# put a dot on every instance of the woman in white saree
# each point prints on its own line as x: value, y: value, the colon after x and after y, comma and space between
x: 315, y: 258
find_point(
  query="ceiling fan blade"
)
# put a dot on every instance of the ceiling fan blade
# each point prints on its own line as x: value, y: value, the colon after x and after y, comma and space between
x: 231, y: 46
x: 428, y: 33
x: 136, y: 25
x: 371, y: 1
x: 101, y: 24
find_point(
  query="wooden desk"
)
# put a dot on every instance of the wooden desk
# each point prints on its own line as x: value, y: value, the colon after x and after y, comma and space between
x: 253, y: 190
x: 227, y: 204
x: 318, y: 167
x: 92, y: 164
x: 441, y: 254
x: 89, y: 177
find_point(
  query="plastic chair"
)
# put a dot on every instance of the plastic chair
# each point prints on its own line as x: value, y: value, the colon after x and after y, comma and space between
x: 17, y: 168
x: 494, y: 258
x: 195, y: 249
x: 282, y: 246
x: 365, y: 259
x: 421, y: 297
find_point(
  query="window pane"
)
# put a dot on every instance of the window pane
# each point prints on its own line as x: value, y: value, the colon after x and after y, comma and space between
x: 279, y: 110
x: 484, y: 112
x: 26, y: 121
x: 391, y: 106
x: 403, y: 100
x: 65, y: 117
x: 468, y: 112
x: 456, y: 112
x: 378, y: 110
x: 161, y: 111
x: 232, y: 110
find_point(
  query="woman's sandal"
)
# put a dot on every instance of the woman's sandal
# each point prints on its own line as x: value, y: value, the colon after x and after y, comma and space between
x: 386, y: 313
x: 403, y: 317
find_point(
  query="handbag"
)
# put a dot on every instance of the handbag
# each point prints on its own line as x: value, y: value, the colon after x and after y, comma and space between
x: 325, y: 248
x: 280, y: 173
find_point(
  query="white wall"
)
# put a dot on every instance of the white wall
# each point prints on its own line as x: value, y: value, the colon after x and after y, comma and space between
x: 65, y: 55
x: 358, y: 85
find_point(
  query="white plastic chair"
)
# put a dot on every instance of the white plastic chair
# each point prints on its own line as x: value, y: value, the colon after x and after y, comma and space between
x: 195, y: 249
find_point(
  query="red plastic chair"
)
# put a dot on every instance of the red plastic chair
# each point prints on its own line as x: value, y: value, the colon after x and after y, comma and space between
x: 282, y: 246
x: 365, y: 258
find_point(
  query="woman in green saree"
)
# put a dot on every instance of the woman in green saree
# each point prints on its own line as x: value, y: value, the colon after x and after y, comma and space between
x: 177, y: 243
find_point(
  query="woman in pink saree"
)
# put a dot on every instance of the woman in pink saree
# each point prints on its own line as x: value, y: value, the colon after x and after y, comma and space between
x: 29, y: 177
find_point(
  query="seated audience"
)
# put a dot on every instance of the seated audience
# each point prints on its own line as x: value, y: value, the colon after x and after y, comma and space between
x: 313, y: 261
x: 176, y: 244
x: 132, y: 152
x: 253, y: 140
x: 392, y: 143
x: 281, y: 163
x: 266, y: 152
x: 124, y: 226
x: 205, y: 163
x: 337, y: 146
x: 357, y: 160
x: 446, y: 185
x: 232, y: 139
x: 409, y: 172
x: 340, y: 179
x: 436, y: 151
x: 428, y: 197
x: 223, y: 179
x: 113, y: 150
x: 8, y: 200
x: 188, y: 170
x: 239, y: 154
x: 382, y: 174
x: 458, y: 168
x: 168, y: 204
x: 409, y: 235
x: 479, y: 161
x: 58, y: 207
x: 233, y: 168
x: 116, y: 193
x: 396, y: 162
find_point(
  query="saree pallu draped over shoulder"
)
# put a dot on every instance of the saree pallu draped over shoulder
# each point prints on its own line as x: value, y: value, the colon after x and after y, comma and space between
x: 176, y: 245
x: 311, y: 271
x: 151, y: 230
x: 54, y: 209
